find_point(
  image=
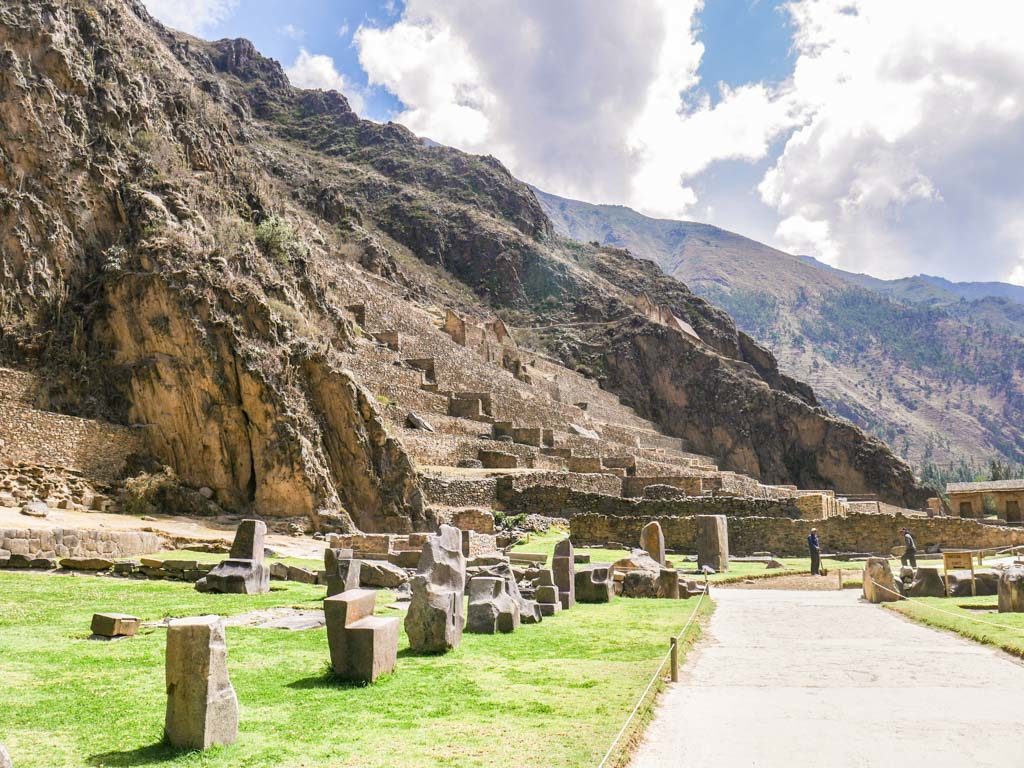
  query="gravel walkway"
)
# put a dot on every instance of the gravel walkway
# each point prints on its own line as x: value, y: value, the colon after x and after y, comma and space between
x: 788, y: 678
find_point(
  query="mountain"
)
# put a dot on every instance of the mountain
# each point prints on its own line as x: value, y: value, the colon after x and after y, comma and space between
x: 933, y: 367
x: 194, y: 247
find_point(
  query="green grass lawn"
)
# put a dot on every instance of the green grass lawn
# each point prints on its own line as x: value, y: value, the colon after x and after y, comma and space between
x: 968, y: 613
x: 553, y: 694
x: 544, y: 543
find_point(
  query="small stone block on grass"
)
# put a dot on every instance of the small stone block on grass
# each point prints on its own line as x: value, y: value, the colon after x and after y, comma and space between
x: 114, y: 625
x: 363, y: 646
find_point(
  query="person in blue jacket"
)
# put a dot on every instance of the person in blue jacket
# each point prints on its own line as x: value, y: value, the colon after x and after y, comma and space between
x: 814, y: 545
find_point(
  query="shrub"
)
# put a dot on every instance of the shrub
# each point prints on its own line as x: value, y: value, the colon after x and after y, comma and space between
x: 279, y: 241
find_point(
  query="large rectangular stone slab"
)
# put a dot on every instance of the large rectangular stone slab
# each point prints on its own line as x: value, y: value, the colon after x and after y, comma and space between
x: 713, y: 542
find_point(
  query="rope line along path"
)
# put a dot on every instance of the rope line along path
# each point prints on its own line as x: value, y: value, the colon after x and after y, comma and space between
x: 949, y: 613
x: 654, y: 678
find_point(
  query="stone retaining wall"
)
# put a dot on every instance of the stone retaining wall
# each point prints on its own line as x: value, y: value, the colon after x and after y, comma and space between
x: 97, y: 449
x: 786, y: 537
x: 566, y: 503
x: 557, y: 484
x: 78, y: 542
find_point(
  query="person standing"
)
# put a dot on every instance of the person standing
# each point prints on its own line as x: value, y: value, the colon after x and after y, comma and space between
x: 910, y: 549
x: 814, y: 545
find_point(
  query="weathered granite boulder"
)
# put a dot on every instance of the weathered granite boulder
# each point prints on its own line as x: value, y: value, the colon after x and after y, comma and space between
x: 668, y: 584
x: 927, y: 583
x: 652, y: 541
x: 713, y: 542
x: 639, y: 584
x: 202, y: 709
x: 342, y: 569
x: 302, y: 575
x: 114, y: 625
x: 879, y: 586
x: 594, y: 584
x: 491, y: 608
x: 381, y: 573
x: 415, y: 421
x: 434, y: 620
x: 639, y: 560
x: 529, y: 610
x: 563, y: 567
x: 240, y: 577
x: 249, y: 543
x: 86, y: 563
x: 1011, y: 590
x: 363, y: 646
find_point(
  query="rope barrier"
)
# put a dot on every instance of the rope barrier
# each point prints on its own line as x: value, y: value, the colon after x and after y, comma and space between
x: 950, y: 613
x: 656, y: 676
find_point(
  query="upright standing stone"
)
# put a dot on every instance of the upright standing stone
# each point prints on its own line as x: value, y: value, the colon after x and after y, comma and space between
x: 491, y: 608
x: 1011, y: 590
x: 202, y: 709
x: 546, y: 593
x: 244, y: 572
x: 249, y: 541
x: 343, y: 571
x: 652, y: 541
x: 434, y: 619
x: 563, y: 567
x: 363, y: 646
x: 879, y: 585
x: 713, y: 542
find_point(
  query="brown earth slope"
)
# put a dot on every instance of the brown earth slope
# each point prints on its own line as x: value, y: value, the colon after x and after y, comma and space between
x: 179, y: 227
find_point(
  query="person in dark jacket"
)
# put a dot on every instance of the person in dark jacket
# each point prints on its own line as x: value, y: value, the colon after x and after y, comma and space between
x: 910, y: 549
x: 814, y: 545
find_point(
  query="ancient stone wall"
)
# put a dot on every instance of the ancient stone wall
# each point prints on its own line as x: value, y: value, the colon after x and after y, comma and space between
x: 459, y: 492
x: 74, y: 542
x: 555, y: 483
x: 786, y: 537
x: 96, y: 449
x: 567, y: 503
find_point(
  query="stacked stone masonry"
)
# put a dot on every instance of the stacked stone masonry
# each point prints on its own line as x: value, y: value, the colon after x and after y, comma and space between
x: 75, y: 542
x: 788, y: 538
x: 27, y: 434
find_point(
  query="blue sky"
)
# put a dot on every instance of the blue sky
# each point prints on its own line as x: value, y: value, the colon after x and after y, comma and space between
x: 874, y: 135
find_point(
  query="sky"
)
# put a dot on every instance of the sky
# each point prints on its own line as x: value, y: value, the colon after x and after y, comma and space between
x: 880, y: 136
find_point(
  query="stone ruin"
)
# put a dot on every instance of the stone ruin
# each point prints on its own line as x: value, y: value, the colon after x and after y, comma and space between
x: 202, y: 709
x: 434, y: 620
x: 244, y: 572
x: 879, y: 586
x: 1011, y: 590
x: 563, y: 567
x: 363, y: 646
x: 652, y: 541
x: 713, y: 542
x: 594, y: 584
x: 342, y: 569
x: 643, y: 576
x: 113, y: 625
x: 546, y: 593
x: 491, y: 607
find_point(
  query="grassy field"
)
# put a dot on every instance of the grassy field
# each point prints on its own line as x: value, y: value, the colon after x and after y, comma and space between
x: 965, y: 616
x: 545, y: 543
x: 553, y: 694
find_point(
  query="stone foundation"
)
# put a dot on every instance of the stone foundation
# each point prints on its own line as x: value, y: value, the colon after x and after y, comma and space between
x: 567, y: 503
x: 788, y: 538
x: 76, y: 542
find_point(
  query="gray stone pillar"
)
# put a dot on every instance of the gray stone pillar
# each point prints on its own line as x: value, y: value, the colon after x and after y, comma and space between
x: 202, y: 709
x: 713, y: 542
x: 563, y: 568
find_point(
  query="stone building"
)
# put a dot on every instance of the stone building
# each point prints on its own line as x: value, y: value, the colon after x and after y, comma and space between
x: 1005, y: 496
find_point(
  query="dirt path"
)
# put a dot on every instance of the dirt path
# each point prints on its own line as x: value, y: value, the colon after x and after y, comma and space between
x: 792, y: 678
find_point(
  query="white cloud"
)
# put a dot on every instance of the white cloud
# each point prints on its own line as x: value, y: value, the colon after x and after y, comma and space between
x: 900, y: 128
x: 343, y: 30
x: 318, y: 71
x: 192, y: 16
x: 291, y: 31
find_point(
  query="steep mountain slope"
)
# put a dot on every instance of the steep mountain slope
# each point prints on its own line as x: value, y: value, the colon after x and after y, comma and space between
x: 182, y: 233
x: 933, y: 367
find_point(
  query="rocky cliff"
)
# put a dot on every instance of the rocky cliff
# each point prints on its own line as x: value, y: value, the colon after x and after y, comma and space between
x: 177, y: 222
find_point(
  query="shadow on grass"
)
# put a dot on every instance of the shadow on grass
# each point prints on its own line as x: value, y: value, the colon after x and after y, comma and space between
x: 327, y: 679
x: 148, y: 755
